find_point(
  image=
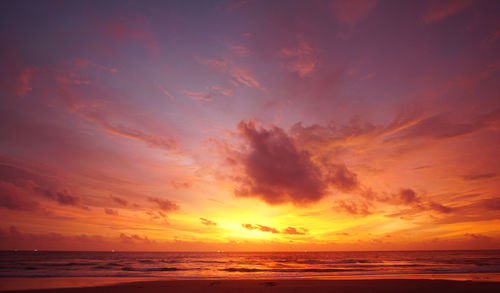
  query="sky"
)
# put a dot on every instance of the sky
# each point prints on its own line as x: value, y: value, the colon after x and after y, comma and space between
x: 250, y: 125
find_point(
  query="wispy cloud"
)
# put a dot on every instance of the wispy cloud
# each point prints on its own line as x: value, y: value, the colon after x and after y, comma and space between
x: 439, y: 10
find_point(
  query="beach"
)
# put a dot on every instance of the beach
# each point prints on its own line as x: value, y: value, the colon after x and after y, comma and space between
x: 278, y: 286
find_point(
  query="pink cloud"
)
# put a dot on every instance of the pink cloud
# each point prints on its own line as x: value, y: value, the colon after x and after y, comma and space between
x: 301, y: 59
x: 165, y: 92
x: 492, y: 38
x: 83, y: 63
x: 439, y: 10
x: 18, y: 80
x: 240, y: 50
x: 132, y: 29
x: 240, y: 74
x: 353, y: 11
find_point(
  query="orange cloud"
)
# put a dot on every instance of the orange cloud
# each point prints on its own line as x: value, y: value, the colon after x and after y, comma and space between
x: 260, y: 228
x: 164, y: 204
x: 110, y: 212
x: 295, y: 231
x: 207, y: 222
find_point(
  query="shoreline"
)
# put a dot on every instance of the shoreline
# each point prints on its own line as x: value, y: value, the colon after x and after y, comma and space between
x: 275, y: 285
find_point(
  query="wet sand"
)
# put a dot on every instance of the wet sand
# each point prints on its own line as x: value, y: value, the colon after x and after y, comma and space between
x: 278, y: 286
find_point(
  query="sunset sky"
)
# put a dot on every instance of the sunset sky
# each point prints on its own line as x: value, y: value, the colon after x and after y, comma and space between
x: 250, y: 125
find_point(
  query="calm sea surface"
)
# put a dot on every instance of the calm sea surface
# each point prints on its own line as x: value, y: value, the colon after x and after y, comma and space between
x: 211, y: 265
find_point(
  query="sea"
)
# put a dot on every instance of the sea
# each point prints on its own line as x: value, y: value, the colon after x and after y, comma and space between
x: 124, y: 266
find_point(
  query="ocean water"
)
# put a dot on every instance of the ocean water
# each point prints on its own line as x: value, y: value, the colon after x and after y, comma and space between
x: 483, y: 264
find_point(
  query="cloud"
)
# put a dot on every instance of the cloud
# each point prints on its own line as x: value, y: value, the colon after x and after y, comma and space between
x: 242, y: 75
x: 209, y: 94
x: 110, y: 212
x: 83, y: 63
x: 164, y: 204
x: 491, y: 203
x: 295, y: 231
x: 260, y: 228
x: 439, y: 207
x: 248, y: 226
x: 207, y: 222
x: 236, y: 4
x: 339, y: 176
x: 277, y: 171
x: 119, y: 30
x: 440, y: 10
x: 478, y: 237
x: 352, y: 208
x: 301, y: 59
x: 179, y: 184
x: 17, y: 80
x: 128, y: 132
x: 198, y: 96
x: 119, y: 201
x: 15, y: 198
x: 134, y: 238
x: 92, y: 112
x: 492, y: 38
x: 353, y: 11
x: 472, y: 177
x: 240, y: 50
x: 407, y: 197
x: 29, y: 184
x: 441, y: 126
x: 63, y: 197
x: 165, y: 92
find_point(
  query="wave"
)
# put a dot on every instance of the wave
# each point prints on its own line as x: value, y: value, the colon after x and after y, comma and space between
x: 69, y: 264
x: 310, y: 270
x: 165, y: 269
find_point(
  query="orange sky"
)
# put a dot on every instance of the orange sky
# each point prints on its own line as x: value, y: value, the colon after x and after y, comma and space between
x: 250, y: 125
